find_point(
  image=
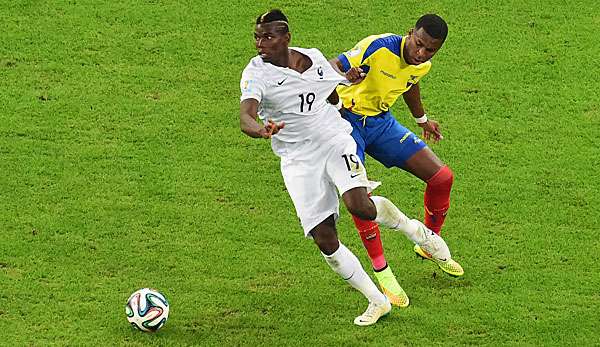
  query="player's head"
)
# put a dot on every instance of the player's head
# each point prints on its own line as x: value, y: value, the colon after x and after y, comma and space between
x: 425, y: 39
x: 272, y: 35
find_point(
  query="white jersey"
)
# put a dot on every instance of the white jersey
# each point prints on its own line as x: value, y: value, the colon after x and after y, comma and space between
x: 298, y: 99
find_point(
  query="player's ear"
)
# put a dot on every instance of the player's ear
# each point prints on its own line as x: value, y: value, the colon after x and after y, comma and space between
x: 411, y: 31
x: 288, y: 37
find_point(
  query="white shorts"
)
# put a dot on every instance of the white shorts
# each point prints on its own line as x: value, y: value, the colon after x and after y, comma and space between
x: 314, y: 178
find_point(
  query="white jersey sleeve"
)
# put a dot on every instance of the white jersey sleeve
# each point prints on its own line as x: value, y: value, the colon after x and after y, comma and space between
x: 252, y: 83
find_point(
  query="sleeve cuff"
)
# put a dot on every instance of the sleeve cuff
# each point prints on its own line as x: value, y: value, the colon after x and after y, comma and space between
x: 345, y: 62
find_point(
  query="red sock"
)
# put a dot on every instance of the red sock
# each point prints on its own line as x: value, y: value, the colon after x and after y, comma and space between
x: 437, y: 199
x: 371, y: 238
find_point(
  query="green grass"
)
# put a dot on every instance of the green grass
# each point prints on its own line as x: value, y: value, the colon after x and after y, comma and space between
x: 122, y: 166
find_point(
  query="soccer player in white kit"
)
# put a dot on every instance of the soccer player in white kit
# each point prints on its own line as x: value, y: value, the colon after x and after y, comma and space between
x: 287, y: 88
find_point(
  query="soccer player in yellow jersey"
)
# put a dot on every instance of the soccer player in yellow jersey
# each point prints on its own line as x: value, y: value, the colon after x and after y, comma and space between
x: 391, y: 65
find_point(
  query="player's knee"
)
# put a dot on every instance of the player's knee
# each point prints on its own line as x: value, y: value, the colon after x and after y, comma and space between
x: 363, y: 209
x: 328, y: 247
x: 448, y: 175
x: 358, y: 203
x: 325, y: 236
x: 443, y: 178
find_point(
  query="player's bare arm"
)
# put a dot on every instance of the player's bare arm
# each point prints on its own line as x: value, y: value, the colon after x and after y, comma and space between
x: 412, y: 98
x: 336, y: 64
x: 431, y: 128
x: 249, y: 125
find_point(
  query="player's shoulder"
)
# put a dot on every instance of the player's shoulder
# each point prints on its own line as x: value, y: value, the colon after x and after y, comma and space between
x: 255, y: 67
x: 383, y: 36
x: 391, y: 41
x: 315, y: 55
x: 425, y: 67
x: 386, y: 37
x: 256, y: 63
x: 311, y: 52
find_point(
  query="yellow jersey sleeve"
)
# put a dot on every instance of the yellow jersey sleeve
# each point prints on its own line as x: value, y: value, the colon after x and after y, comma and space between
x: 355, y: 56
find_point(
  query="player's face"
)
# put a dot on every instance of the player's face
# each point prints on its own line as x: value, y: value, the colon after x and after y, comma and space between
x: 420, y: 47
x: 270, y: 44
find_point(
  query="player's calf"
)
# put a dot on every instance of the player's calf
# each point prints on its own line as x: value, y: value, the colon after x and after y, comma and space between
x: 389, y: 215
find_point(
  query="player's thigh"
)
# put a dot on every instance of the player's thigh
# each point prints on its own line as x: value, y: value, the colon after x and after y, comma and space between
x: 344, y: 167
x: 424, y: 164
x: 395, y: 145
x: 313, y: 194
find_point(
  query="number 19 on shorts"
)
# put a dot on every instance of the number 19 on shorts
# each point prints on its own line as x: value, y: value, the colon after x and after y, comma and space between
x: 352, y: 162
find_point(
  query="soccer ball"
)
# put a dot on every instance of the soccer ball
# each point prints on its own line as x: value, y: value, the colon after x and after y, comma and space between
x: 147, y: 309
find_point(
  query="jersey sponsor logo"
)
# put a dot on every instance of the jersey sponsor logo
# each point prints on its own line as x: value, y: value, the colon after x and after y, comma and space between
x: 388, y: 74
x: 320, y: 72
x: 281, y: 82
x: 355, y: 175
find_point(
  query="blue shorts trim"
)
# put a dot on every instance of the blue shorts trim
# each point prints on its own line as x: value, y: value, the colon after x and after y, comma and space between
x: 383, y: 138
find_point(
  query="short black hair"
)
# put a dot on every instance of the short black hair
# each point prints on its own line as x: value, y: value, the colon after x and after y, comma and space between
x: 433, y: 25
x: 277, y: 16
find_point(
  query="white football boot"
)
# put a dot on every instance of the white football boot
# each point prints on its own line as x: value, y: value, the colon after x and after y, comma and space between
x: 373, y: 313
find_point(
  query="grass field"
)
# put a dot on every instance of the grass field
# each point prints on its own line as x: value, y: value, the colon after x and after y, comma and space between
x: 122, y: 166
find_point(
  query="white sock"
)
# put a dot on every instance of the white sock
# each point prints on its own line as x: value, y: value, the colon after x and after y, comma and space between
x: 390, y: 216
x: 347, y: 265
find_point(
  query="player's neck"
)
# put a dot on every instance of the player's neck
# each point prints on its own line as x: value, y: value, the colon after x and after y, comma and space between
x: 298, y: 61
x: 404, y: 49
x: 281, y: 61
x: 293, y: 60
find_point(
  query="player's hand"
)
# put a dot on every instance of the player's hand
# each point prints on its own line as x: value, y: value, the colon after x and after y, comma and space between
x: 355, y: 75
x: 431, y: 130
x: 270, y: 129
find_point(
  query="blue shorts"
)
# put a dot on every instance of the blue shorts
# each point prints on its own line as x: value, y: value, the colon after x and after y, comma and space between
x: 383, y: 138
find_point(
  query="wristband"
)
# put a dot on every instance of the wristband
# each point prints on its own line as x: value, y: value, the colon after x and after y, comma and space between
x: 422, y: 119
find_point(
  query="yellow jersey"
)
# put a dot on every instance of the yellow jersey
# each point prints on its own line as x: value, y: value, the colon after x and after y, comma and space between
x: 388, y: 74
